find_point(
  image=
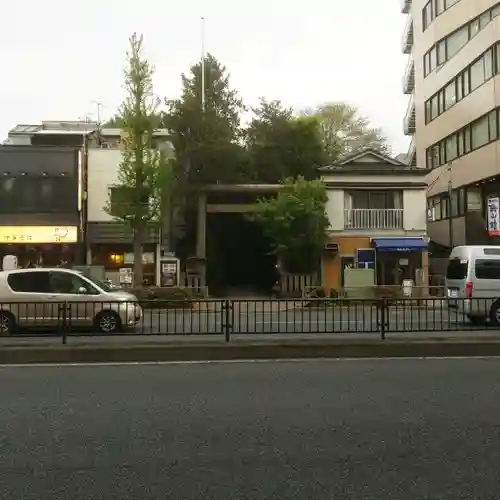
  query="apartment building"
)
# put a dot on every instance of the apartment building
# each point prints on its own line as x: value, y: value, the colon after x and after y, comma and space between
x: 452, y: 82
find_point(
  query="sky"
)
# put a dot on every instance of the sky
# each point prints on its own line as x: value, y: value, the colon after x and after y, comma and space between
x: 62, y: 57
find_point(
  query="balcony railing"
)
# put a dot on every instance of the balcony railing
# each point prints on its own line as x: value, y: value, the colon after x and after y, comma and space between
x: 409, y: 76
x: 409, y: 119
x: 373, y: 218
x: 412, y: 153
x: 408, y: 36
x: 405, y: 6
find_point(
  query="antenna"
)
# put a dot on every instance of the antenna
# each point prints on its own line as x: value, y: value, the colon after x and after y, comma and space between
x: 99, y: 106
x: 203, y: 64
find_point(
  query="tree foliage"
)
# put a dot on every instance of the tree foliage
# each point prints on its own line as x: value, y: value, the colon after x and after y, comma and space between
x: 296, y: 222
x: 142, y: 176
x: 281, y: 145
x: 344, y: 131
x: 207, y: 139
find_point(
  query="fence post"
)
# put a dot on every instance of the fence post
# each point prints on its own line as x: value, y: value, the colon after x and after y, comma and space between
x: 65, y: 322
x: 226, y: 321
x: 382, y: 315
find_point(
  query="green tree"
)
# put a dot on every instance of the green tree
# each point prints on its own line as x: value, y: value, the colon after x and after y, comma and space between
x: 281, y: 145
x: 296, y: 222
x: 207, y: 138
x: 142, y: 175
x: 344, y: 131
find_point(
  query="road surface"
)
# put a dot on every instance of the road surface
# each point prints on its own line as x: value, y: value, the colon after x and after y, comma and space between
x: 364, y: 430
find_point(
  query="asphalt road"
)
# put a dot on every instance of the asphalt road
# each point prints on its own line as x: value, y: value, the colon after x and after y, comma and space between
x: 364, y: 430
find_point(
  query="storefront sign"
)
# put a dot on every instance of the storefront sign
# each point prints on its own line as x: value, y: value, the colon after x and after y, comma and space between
x: 494, y: 216
x: 38, y: 234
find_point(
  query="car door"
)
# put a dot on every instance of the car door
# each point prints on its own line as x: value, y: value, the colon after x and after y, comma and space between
x: 30, y: 290
x: 75, y: 294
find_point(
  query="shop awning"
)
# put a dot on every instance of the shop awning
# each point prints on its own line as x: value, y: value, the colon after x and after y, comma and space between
x: 399, y: 244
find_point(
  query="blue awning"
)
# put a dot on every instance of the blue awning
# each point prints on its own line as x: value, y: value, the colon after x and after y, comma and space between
x: 399, y: 244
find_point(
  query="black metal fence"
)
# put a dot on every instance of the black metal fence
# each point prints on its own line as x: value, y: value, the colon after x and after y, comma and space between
x: 233, y: 319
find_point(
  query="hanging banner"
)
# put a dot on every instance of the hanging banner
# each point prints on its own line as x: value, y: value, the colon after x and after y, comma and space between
x: 494, y: 216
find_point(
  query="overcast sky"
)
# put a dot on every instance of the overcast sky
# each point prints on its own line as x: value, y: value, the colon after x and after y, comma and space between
x: 59, y: 57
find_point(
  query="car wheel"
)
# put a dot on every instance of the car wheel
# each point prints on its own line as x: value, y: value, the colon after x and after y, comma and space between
x: 7, y: 324
x: 495, y: 314
x: 108, y: 322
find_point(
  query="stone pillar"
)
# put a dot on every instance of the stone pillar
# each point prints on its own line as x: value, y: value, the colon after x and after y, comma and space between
x: 201, y: 235
x: 425, y: 269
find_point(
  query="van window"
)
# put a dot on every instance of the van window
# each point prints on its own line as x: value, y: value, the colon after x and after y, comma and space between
x: 30, y: 282
x: 487, y: 269
x: 457, y: 269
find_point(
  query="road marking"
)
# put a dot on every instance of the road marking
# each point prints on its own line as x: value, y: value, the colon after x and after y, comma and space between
x: 242, y: 361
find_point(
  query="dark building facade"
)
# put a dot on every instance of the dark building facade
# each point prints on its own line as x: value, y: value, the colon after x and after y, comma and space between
x: 41, y: 205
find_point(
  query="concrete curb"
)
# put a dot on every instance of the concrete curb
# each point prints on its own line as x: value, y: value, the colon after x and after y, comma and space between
x: 242, y: 351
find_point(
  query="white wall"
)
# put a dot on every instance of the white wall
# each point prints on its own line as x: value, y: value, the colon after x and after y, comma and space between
x: 415, y: 210
x: 335, y: 209
x: 102, y: 174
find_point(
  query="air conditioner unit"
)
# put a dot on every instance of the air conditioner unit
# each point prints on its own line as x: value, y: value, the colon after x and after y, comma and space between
x: 331, y: 247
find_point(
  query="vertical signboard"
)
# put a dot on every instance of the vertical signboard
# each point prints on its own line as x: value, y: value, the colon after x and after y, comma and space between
x: 494, y: 216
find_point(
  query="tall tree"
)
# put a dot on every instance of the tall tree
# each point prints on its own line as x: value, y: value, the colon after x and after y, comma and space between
x: 281, y: 145
x: 141, y: 176
x: 207, y: 137
x: 344, y: 131
x: 296, y: 222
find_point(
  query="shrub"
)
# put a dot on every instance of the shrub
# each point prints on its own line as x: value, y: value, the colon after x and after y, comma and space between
x: 164, y: 297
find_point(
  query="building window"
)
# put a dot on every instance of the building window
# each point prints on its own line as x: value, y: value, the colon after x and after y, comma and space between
x: 493, y: 126
x: 434, y: 8
x: 450, y: 95
x: 427, y: 15
x: 480, y: 133
x: 446, y: 48
x: 474, y: 27
x: 476, y: 135
x: 451, y: 148
x: 456, y: 41
x: 468, y: 80
x: 441, y: 52
x: 489, y: 70
x: 477, y: 74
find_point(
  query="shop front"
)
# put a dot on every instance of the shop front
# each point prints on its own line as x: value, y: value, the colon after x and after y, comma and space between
x: 393, y: 259
x: 399, y: 259
x: 111, y: 246
x: 47, y: 246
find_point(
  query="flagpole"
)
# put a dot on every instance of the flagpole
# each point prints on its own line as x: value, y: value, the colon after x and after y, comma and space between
x: 203, y: 64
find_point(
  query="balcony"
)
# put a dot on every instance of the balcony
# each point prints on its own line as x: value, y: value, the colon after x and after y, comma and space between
x: 409, y: 119
x: 373, y: 218
x: 412, y: 153
x: 408, y: 36
x: 405, y: 6
x: 409, y: 77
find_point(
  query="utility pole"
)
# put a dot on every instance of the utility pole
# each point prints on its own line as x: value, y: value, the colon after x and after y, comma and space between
x: 450, y: 192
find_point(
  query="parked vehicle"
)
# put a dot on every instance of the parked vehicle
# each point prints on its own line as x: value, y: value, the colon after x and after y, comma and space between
x: 50, y: 298
x: 473, y: 282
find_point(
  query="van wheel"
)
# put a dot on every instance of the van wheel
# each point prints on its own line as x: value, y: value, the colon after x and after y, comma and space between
x: 495, y: 313
x: 108, y: 322
x: 7, y: 324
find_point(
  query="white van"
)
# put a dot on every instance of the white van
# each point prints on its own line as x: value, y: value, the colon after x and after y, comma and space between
x: 473, y: 279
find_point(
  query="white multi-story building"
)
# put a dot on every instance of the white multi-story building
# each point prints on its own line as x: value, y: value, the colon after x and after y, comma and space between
x: 452, y: 83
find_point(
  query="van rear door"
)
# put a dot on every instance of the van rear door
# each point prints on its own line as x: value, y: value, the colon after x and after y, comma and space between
x: 456, y: 277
